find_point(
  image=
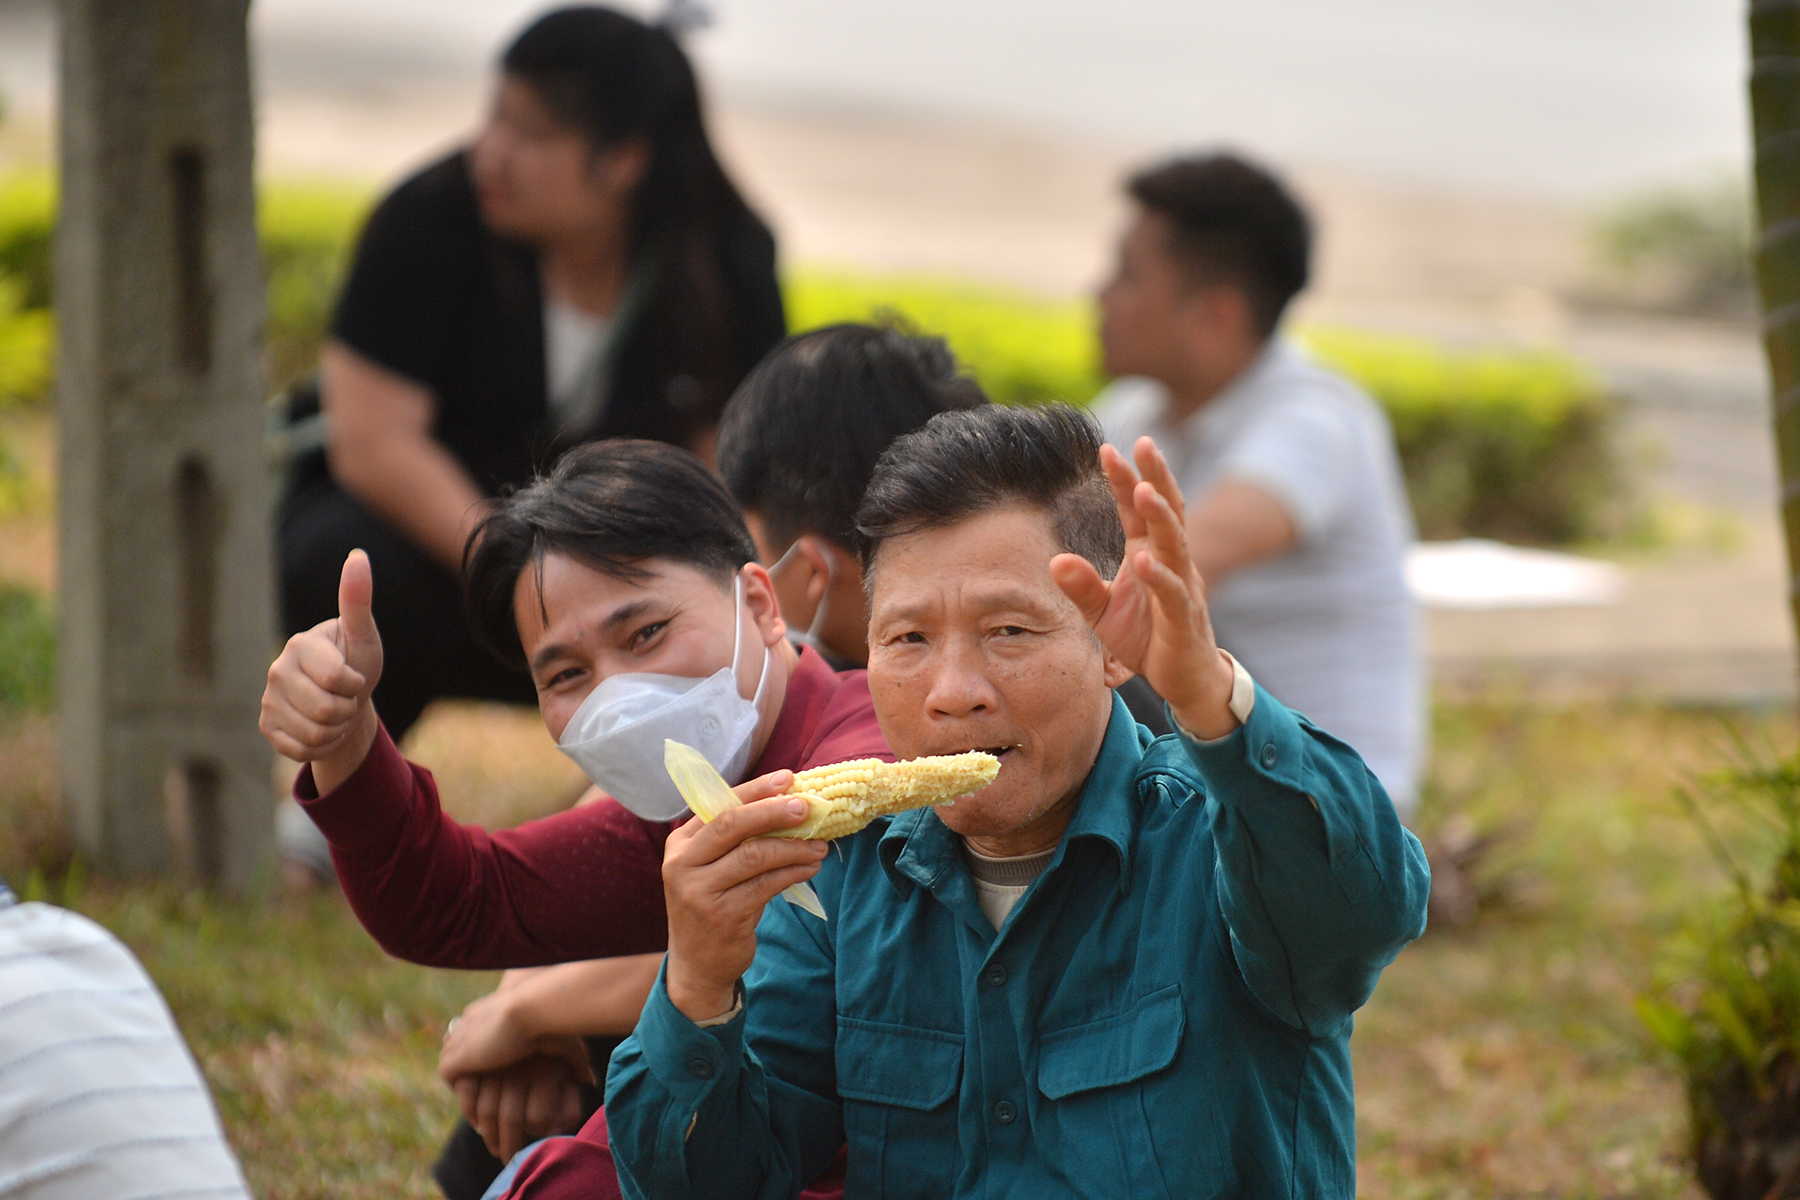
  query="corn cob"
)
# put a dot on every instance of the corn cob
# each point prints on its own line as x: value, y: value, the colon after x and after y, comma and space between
x: 846, y: 796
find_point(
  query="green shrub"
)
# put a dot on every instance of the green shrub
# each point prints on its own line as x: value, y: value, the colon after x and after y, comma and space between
x: 306, y: 233
x: 1684, y: 248
x: 1727, y: 1003
x: 27, y: 337
x: 1503, y: 444
x: 1023, y: 348
x: 27, y: 214
x: 27, y: 650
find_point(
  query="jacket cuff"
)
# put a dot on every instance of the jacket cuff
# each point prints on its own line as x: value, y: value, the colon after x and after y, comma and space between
x: 369, y: 809
x: 1269, y: 747
x: 688, y: 1061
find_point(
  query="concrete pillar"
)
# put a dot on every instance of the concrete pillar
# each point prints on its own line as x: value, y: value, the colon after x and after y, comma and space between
x: 164, y: 511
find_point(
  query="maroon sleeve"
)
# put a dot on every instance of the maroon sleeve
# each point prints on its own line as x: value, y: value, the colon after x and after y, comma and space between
x: 586, y: 883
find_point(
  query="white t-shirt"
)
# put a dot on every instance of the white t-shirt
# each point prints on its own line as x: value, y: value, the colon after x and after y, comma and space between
x: 1328, y: 628
x: 99, y: 1097
x: 572, y: 343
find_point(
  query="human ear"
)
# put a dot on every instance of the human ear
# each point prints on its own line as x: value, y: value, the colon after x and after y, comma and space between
x: 1115, y: 672
x: 818, y: 558
x: 620, y: 168
x: 759, y: 598
x: 1226, y: 312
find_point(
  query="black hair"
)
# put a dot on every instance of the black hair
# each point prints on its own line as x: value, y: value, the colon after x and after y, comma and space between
x: 610, y: 505
x: 1233, y: 223
x: 802, y: 434
x: 976, y: 460
x: 614, y: 78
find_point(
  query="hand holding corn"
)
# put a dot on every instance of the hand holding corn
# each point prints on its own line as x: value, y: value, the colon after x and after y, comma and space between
x: 767, y: 837
x: 718, y: 876
x: 841, y: 798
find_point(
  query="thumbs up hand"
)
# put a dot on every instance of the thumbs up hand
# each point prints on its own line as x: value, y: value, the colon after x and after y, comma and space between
x: 317, y: 706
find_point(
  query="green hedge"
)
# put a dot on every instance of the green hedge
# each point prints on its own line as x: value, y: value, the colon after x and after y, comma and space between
x: 1025, y: 349
x: 1509, y: 444
x: 307, y: 232
x: 1505, y: 444
x: 27, y: 650
x: 1513, y: 445
x: 27, y: 211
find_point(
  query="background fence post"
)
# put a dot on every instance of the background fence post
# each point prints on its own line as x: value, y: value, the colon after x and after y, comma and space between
x: 165, y: 587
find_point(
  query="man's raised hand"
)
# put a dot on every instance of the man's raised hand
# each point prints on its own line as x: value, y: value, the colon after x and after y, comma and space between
x: 317, y: 706
x: 1152, y: 615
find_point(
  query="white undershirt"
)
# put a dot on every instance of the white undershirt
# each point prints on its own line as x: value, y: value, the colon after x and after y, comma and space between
x: 571, y: 338
x: 1001, y: 882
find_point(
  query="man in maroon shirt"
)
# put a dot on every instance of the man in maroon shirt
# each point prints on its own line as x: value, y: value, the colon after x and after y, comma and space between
x: 587, y: 576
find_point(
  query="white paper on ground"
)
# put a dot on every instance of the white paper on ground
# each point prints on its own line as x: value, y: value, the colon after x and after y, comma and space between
x: 1475, y: 573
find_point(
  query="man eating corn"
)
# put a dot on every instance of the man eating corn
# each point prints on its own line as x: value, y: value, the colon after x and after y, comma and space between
x: 1127, y: 967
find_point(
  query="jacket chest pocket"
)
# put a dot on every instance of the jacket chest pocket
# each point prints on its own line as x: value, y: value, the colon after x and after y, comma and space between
x: 898, y: 1086
x: 1112, y: 1120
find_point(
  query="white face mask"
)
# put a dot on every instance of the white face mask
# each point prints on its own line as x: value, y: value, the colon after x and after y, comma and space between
x: 811, y: 636
x: 616, y: 736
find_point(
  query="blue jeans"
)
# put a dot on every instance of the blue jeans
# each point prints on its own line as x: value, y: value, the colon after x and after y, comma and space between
x: 504, y: 1179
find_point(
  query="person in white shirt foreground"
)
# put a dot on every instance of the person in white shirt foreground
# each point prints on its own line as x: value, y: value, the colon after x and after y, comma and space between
x: 1297, y: 514
x: 99, y: 1097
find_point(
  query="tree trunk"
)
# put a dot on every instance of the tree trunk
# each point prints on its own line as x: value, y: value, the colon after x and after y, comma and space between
x: 1775, y: 123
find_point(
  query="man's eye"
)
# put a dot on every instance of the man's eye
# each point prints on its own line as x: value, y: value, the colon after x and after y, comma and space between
x: 915, y: 638
x: 562, y: 676
x: 1010, y: 630
x: 647, y: 634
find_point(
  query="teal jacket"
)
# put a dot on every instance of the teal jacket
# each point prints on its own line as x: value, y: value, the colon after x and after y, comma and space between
x: 1166, y: 1012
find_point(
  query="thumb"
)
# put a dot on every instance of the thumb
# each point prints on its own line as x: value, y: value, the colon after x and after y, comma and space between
x: 1081, y: 583
x: 356, y: 620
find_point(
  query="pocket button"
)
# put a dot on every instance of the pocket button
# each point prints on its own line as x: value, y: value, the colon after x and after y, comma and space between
x: 1005, y: 1113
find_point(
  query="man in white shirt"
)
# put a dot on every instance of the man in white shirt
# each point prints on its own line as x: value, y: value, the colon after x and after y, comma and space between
x: 99, y: 1097
x: 1297, y: 513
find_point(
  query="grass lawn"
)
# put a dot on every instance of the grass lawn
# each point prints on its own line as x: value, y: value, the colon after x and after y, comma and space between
x: 1500, y: 1059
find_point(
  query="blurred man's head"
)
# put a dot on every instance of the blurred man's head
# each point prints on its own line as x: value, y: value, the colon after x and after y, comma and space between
x: 628, y: 557
x: 972, y: 645
x: 798, y: 443
x: 1215, y: 251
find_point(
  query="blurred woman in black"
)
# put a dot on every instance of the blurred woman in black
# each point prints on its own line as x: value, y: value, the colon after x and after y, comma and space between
x: 584, y: 269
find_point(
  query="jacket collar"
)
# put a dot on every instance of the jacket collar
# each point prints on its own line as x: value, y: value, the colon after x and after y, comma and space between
x: 918, y: 848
